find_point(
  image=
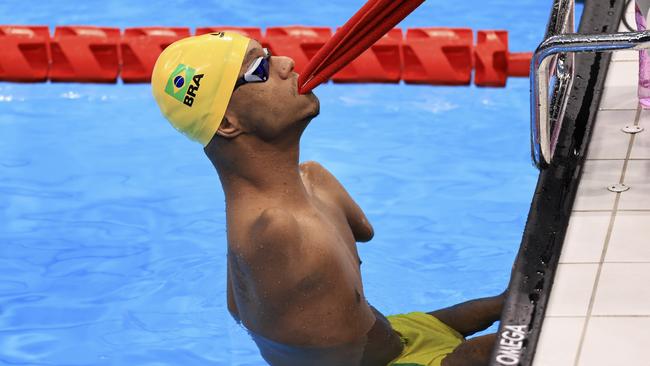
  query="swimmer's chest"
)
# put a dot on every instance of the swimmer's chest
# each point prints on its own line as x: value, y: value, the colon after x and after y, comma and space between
x: 325, y: 267
x: 326, y: 254
x: 318, y: 296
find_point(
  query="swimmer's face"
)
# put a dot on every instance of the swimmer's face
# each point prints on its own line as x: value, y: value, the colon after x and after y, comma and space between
x: 269, y: 109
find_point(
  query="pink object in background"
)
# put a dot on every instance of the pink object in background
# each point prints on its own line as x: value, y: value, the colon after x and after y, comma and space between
x: 644, y: 57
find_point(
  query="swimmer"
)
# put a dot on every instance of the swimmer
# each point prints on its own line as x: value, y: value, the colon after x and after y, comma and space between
x: 293, y: 271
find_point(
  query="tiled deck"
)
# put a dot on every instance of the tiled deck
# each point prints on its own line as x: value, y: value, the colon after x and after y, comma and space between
x: 599, y: 309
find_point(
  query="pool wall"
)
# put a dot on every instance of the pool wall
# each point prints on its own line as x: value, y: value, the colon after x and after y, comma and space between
x: 538, y: 256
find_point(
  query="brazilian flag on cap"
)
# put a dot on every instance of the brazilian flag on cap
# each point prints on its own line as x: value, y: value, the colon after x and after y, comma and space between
x: 179, y: 81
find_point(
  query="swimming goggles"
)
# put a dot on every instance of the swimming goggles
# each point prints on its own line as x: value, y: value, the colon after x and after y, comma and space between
x: 258, y: 72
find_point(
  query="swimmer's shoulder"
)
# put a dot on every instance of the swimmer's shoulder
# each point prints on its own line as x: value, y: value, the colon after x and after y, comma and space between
x: 313, y: 170
x: 319, y: 176
x: 361, y: 227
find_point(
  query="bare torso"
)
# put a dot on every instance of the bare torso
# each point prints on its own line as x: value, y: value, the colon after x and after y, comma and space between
x: 308, y: 294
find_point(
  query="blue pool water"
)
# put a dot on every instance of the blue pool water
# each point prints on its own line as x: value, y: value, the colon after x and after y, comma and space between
x: 112, y: 226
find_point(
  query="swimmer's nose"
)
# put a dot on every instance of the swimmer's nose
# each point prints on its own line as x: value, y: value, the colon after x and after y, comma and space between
x: 287, y: 65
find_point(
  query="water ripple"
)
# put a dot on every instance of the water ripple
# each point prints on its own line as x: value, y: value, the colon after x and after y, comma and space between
x: 112, y: 226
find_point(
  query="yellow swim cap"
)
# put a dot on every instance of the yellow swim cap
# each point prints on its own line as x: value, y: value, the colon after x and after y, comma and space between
x: 194, y: 78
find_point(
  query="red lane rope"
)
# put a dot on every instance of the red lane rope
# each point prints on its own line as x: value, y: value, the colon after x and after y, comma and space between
x: 433, y: 55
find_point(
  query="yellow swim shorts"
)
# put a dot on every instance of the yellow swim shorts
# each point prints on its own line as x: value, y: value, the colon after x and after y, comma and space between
x: 426, y: 339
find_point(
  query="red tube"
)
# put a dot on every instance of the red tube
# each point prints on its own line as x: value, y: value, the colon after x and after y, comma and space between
x: 519, y: 64
x: 439, y: 56
x: 491, y: 58
x: 299, y: 43
x: 85, y: 54
x: 25, y: 53
x: 381, y: 63
x: 141, y: 47
x: 365, y: 27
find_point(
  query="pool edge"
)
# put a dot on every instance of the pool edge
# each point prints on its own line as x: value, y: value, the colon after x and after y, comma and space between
x: 550, y: 210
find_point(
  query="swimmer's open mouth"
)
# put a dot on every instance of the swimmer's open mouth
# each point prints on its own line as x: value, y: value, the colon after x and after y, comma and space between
x: 295, y: 86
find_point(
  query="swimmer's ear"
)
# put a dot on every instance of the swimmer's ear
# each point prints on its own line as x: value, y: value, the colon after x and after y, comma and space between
x: 229, y: 127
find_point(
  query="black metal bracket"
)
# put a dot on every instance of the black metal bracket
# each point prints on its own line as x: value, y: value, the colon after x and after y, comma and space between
x: 550, y: 210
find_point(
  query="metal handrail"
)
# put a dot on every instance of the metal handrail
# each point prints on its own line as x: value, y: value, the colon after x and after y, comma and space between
x: 555, y: 56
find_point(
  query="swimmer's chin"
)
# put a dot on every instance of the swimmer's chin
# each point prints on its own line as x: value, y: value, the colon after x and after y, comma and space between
x: 312, y: 112
x: 316, y: 110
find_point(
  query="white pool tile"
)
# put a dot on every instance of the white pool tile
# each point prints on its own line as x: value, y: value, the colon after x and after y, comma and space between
x: 641, y: 146
x: 597, y: 175
x: 630, y: 239
x: 623, y: 289
x: 622, y: 74
x: 644, y: 117
x: 620, y: 97
x: 558, y: 341
x: 630, y: 8
x: 637, y: 176
x: 625, y: 56
x: 616, y: 341
x: 629, y: 16
x: 617, y: 325
x: 572, y: 290
x: 585, y: 237
x: 629, y: 12
x: 621, y: 28
x: 608, y: 141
